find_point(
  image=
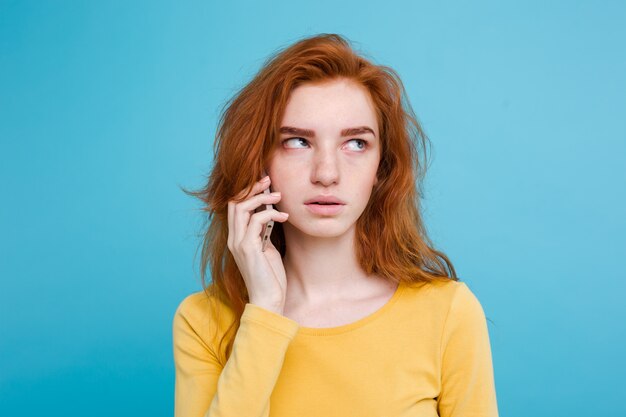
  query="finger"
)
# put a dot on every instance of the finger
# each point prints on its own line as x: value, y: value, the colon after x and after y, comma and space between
x: 253, y: 233
x: 244, y: 211
x: 259, y: 201
x: 240, y: 217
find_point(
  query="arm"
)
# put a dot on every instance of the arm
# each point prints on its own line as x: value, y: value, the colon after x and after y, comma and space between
x: 244, y: 385
x: 467, y: 381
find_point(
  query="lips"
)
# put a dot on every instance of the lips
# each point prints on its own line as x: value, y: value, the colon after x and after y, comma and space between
x: 324, y: 209
x: 325, y: 200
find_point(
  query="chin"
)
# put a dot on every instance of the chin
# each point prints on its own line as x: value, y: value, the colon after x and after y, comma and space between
x: 323, y: 227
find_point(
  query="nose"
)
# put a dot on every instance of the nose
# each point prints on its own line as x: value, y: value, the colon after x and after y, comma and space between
x: 325, y: 167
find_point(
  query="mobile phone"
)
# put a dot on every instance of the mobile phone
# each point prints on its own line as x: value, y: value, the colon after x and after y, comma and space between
x: 267, y: 227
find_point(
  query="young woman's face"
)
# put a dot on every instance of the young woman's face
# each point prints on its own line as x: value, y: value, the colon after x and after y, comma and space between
x: 326, y: 159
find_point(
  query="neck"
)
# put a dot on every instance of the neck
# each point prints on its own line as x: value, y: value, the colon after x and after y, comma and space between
x: 321, y: 270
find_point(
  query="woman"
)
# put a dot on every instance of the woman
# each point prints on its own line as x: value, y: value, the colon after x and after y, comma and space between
x: 349, y: 311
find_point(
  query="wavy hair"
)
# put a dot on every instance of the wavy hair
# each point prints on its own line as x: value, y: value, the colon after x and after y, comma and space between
x: 391, y: 238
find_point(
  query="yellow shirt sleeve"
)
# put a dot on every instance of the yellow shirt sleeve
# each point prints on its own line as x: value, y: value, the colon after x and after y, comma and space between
x: 468, y: 387
x: 242, y: 387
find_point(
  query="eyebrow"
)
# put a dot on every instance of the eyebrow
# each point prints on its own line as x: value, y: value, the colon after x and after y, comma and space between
x: 351, y: 131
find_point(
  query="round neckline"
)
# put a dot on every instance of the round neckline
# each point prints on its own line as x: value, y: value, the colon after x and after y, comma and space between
x: 327, y: 331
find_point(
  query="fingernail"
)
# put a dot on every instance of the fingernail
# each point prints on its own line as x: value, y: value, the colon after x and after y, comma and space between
x: 266, y: 178
x: 275, y: 194
x: 285, y: 215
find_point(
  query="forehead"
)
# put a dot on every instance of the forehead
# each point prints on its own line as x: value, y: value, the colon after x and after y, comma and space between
x: 330, y: 106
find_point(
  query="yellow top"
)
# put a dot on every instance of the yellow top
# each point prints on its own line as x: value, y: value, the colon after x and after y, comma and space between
x: 425, y: 353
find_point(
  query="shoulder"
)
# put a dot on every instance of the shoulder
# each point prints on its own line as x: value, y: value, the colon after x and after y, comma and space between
x: 444, y: 288
x: 194, y: 303
x: 203, y: 313
x: 441, y: 292
x: 461, y: 305
x: 444, y: 297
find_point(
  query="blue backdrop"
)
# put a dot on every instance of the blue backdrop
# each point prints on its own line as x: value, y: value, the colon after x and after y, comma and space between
x: 107, y: 108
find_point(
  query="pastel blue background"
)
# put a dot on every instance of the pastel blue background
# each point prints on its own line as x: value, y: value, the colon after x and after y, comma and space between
x: 106, y: 108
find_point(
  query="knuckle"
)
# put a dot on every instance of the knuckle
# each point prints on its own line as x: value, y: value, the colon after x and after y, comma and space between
x: 256, y: 217
x: 246, y: 249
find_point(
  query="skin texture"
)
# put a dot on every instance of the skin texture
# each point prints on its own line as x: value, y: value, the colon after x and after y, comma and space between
x: 320, y: 263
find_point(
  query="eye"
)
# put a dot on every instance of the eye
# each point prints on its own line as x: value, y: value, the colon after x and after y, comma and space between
x: 364, y: 142
x: 294, y: 140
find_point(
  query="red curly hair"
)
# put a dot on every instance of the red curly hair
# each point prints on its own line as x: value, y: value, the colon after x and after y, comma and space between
x: 391, y: 239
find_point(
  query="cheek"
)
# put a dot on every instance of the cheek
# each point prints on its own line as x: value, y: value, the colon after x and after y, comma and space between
x: 371, y: 175
x: 283, y: 183
x: 284, y: 174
